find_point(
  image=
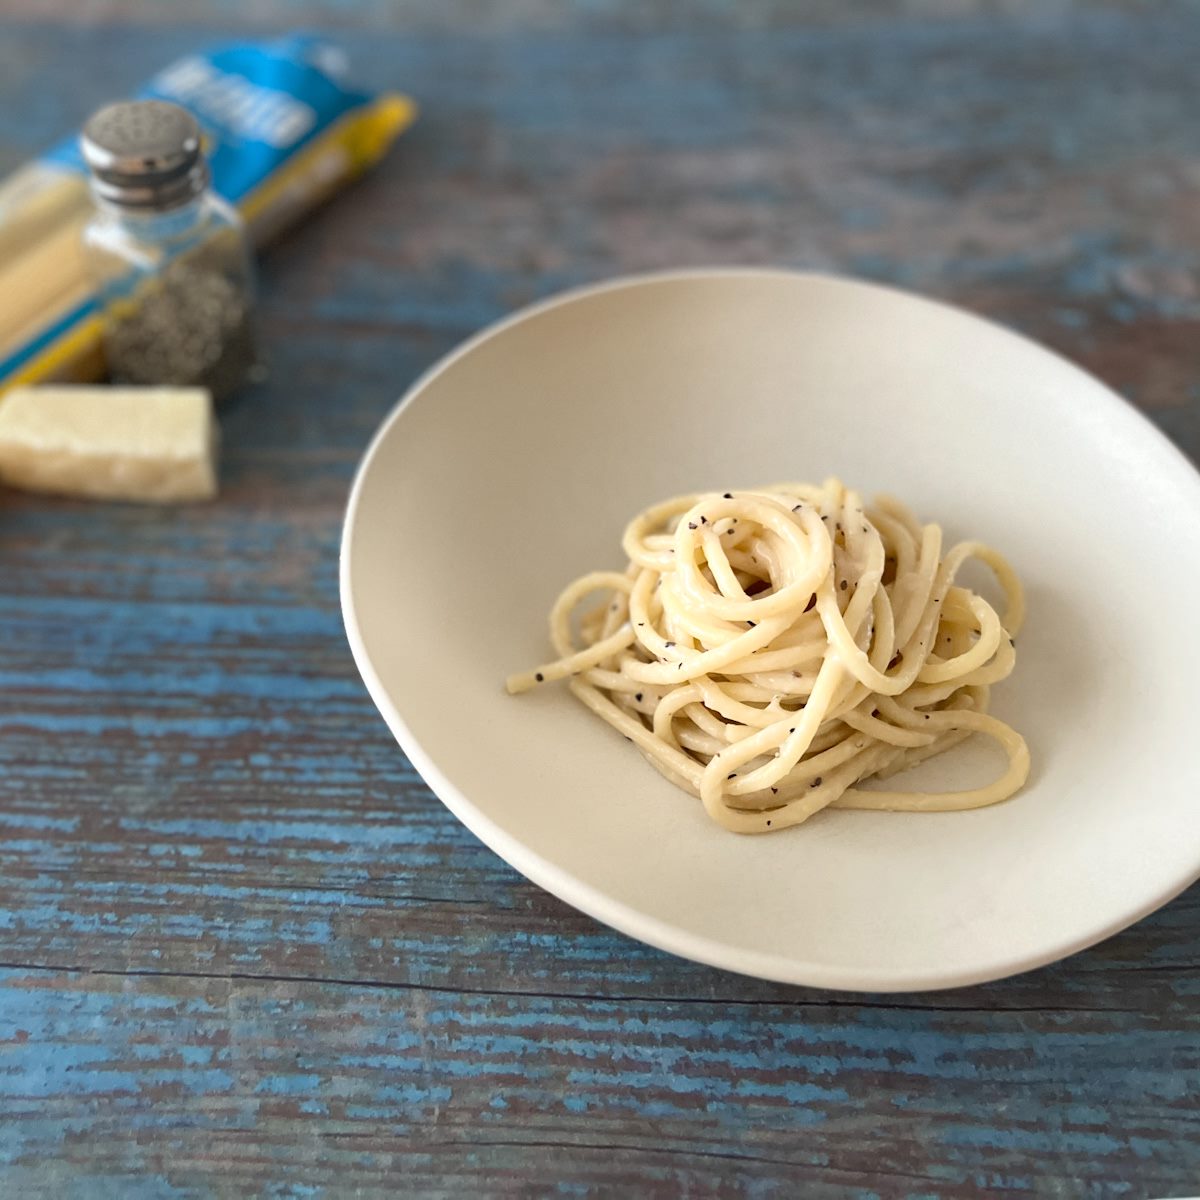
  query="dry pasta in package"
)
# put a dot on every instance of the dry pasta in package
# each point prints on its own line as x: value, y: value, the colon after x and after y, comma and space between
x: 282, y: 132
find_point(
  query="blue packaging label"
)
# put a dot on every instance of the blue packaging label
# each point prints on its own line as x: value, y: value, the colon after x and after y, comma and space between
x: 257, y: 104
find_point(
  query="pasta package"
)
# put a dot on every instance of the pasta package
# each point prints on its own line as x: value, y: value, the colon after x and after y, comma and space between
x: 282, y: 133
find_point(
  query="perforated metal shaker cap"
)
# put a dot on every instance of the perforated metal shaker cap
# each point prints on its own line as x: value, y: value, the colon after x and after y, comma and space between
x: 144, y: 154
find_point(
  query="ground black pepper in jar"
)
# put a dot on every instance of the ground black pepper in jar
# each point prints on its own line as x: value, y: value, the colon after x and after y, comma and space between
x: 171, y: 260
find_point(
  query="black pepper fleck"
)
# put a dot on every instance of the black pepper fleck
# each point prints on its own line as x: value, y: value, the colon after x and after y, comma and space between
x: 844, y: 584
x: 638, y: 696
x: 728, y: 495
x: 691, y: 524
x: 540, y: 677
x: 811, y: 604
x: 816, y: 782
x: 731, y: 775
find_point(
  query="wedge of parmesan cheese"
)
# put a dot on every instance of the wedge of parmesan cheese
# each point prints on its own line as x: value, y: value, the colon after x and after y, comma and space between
x: 114, y: 443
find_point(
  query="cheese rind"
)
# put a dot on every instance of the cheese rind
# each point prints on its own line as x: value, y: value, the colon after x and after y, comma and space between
x: 114, y: 443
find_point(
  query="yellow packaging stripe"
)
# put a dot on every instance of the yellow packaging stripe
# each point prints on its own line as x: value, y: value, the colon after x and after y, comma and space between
x: 360, y: 138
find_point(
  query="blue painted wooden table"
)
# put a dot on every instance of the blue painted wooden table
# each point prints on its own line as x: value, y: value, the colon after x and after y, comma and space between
x: 245, y: 951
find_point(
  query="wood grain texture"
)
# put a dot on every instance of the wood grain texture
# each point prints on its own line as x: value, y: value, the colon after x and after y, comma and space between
x: 245, y: 951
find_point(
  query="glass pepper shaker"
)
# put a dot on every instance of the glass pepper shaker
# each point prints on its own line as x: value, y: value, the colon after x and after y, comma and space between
x: 169, y: 257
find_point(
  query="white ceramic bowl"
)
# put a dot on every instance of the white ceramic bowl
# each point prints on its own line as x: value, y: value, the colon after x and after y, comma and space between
x: 514, y: 464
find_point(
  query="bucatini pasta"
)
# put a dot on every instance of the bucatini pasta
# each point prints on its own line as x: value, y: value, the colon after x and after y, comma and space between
x: 770, y: 650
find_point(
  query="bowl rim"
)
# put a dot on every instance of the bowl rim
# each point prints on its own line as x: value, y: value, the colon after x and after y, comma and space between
x: 599, y: 904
